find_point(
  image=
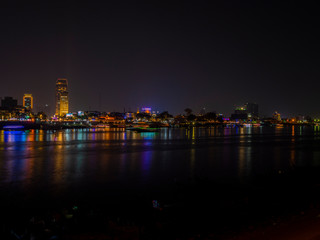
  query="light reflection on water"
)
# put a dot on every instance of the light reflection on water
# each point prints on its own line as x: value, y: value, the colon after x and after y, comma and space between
x: 85, y: 159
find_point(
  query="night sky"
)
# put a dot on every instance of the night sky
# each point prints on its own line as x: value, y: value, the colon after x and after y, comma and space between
x: 166, y: 55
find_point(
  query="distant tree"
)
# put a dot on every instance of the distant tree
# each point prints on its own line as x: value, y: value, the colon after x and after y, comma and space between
x: 200, y: 118
x: 220, y: 119
x: 191, y: 117
x: 188, y: 111
x: 164, y: 115
x: 210, y: 116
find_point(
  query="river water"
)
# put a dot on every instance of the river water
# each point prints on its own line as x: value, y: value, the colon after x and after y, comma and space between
x: 40, y: 168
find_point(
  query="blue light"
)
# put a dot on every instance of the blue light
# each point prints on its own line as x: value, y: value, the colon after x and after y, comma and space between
x: 13, y: 127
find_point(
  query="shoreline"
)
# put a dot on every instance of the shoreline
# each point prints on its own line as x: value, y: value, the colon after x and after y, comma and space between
x: 25, y: 125
x: 260, y: 211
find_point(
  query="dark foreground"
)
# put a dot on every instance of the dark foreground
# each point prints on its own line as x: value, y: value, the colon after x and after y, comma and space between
x: 285, y: 207
x: 233, y: 183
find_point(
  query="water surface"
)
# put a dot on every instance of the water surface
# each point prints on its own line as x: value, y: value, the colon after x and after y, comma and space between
x: 38, y: 167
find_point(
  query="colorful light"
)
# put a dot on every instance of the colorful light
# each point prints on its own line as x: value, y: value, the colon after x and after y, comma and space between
x: 13, y: 127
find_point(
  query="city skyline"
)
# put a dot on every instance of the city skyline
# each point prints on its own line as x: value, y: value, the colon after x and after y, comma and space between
x: 161, y: 120
x: 168, y: 56
x: 248, y: 110
x: 62, y: 99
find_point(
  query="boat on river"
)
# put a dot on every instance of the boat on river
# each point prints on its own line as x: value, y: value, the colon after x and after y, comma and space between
x: 147, y: 129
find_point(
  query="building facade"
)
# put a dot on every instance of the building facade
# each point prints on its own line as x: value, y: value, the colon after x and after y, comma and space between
x: 62, y: 100
x: 252, y: 110
x: 240, y: 113
x: 9, y: 103
x: 28, y: 101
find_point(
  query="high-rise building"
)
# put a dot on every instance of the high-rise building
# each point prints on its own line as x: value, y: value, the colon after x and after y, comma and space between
x: 62, y: 101
x: 252, y: 110
x: 9, y: 103
x: 240, y: 113
x: 28, y: 101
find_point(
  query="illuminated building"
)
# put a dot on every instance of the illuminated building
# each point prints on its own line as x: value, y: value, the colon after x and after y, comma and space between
x: 240, y: 110
x: 146, y: 110
x: 28, y: 101
x: 252, y: 110
x: 240, y: 113
x: 62, y: 101
x: 9, y: 103
x: 248, y: 111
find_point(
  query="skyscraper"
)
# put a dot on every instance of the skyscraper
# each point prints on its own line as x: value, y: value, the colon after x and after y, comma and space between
x: 28, y: 101
x: 9, y: 103
x: 62, y: 102
x: 252, y: 110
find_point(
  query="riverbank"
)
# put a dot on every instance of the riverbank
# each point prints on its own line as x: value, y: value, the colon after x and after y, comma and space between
x: 287, y: 206
x: 58, y: 125
x: 79, y: 223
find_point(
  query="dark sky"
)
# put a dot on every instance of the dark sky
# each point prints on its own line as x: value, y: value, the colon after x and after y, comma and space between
x: 167, y: 55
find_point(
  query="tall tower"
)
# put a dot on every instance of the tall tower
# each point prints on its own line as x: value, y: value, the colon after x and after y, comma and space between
x: 62, y: 101
x: 253, y: 109
x: 28, y: 101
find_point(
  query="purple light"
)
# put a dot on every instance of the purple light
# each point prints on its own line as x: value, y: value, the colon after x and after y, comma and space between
x: 13, y: 127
